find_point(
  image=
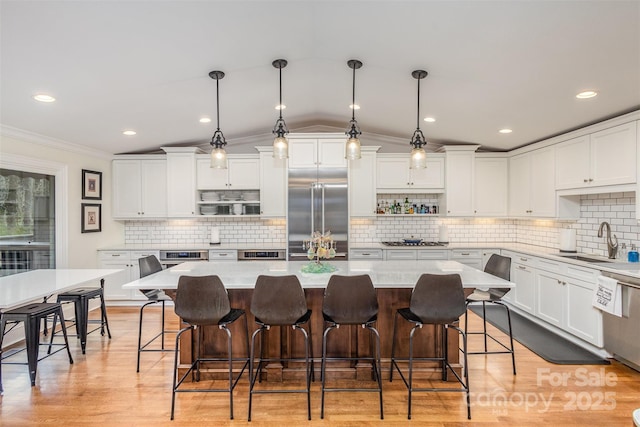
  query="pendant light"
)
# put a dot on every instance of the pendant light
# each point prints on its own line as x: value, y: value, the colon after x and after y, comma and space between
x: 280, y: 130
x: 418, y: 155
x: 353, y: 143
x: 218, y: 154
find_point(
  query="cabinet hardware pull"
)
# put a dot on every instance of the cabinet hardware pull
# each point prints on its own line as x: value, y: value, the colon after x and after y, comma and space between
x: 524, y: 259
x: 585, y: 180
x: 559, y: 282
x: 115, y: 254
x: 366, y: 254
x: 522, y: 267
x: 590, y: 180
x: 464, y: 253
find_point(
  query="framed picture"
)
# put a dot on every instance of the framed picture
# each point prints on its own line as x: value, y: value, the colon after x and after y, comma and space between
x: 91, y: 185
x: 91, y: 218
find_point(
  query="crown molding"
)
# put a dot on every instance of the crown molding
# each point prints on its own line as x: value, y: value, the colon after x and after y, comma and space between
x: 35, y: 138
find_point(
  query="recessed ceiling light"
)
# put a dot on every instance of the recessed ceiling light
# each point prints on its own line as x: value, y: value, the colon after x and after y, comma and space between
x: 429, y: 119
x: 43, y: 97
x: 354, y: 106
x: 129, y: 132
x: 505, y: 131
x: 205, y: 120
x: 280, y: 107
x: 586, y: 94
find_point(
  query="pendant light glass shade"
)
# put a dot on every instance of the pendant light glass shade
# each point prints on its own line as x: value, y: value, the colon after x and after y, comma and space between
x: 418, y: 154
x: 218, y: 142
x: 352, y: 150
x: 280, y: 130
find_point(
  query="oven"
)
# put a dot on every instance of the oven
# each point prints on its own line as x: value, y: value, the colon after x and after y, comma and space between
x: 261, y: 255
x: 170, y: 259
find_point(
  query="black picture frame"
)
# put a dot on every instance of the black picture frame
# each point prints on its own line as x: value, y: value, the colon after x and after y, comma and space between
x: 91, y: 218
x: 91, y: 185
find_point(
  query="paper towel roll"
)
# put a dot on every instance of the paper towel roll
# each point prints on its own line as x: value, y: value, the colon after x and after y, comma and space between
x: 443, y: 234
x: 567, y: 240
x: 215, y: 235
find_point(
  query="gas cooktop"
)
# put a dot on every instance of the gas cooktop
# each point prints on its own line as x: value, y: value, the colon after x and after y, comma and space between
x: 414, y: 244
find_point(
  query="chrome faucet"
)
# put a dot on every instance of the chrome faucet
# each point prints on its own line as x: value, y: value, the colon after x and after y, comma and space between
x: 611, y: 246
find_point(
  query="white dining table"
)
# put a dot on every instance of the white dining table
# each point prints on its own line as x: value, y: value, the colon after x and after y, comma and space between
x: 22, y: 288
x: 384, y: 274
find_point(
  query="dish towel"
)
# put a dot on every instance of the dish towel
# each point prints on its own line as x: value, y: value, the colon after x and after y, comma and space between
x: 608, y: 296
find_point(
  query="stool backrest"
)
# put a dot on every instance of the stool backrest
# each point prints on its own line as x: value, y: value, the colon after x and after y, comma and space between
x: 499, y: 266
x: 350, y: 299
x: 149, y: 265
x: 278, y: 300
x: 201, y: 300
x: 438, y: 298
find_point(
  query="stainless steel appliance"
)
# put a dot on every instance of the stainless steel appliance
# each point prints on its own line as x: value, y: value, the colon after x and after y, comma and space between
x: 172, y: 258
x: 318, y: 201
x: 261, y: 255
x: 421, y: 243
x: 621, y: 334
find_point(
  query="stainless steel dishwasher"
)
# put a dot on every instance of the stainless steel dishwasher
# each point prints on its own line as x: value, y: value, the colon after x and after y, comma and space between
x: 622, y: 334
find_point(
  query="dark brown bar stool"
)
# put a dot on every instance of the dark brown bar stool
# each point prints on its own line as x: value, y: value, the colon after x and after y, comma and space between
x: 203, y: 301
x: 351, y: 300
x: 279, y: 301
x: 80, y: 298
x: 32, y: 315
x: 499, y: 266
x: 149, y: 265
x: 436, y: 300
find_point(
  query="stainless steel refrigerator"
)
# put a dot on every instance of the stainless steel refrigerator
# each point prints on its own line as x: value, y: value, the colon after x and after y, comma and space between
x: 318, y: 201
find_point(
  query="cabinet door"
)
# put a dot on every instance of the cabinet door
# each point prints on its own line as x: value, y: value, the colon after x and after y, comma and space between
x: 303, y: 153
x: 430, y: 178
x: 572, y: 163
x: 208, y: 178
x: 134, y: 270
x: 113, y: 284
x: 551, y: 297
x: 127, y: 194
x: 583, y: 320
x: 362, y: 186
x: 331, y: 153
x: 273, y: 186
x: 392, y: 172
x: 543, y: 183
x: 519, y: 185
x: 154, y: 188
x: 395, y: 254
x: 490, y: 187
x: 524, y: 296
x: 459, y: 183
x: 244, y: 174
x: 181, y: 185
x: 613, y: 155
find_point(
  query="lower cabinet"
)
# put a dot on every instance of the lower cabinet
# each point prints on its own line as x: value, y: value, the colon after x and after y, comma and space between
x: 375, y: 254
x: 524, y: 295
x: 127, y: 261
x: 550, y: 297
x: 470, y: 257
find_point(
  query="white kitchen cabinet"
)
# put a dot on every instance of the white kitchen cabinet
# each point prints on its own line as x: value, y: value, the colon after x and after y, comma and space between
x: 523, y: 275
x: 273, y: 184
x: 490, y: 186
x: 181, y: 181
x: 470, y: 257
x: 365, y: 253
x: 223, y: 255
x: 486, y: 254
x: 242, y: 173
x: 459, y: 182
x: 551, y: 290
x: 607, y: 157
x: 532, y: 184
x: 582, y: 318
x: 314, y: 150
x: 400, y: 254
x: 362, y: 184
x: 127, y: 261
x: 139, y: 188
x: 393, y: 173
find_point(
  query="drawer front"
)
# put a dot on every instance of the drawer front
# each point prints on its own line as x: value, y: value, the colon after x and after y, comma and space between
x: 223, y: 255
x: 392, y: 254
x: 466, y: 253
x: 143, y: 254
x: 366, y: 254
x: 429, y: 254
x: 114, y: 255
x: 518, y: 258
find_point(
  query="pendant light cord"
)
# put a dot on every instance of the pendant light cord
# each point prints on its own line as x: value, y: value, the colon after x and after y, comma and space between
x: 280, y: 93
x: 353, y: 97
x: 418, y: 112
x: 217, y: 105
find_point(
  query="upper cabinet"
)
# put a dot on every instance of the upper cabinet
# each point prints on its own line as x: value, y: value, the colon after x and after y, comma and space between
x: 459, y: 177
x: 242, y: 173
x: 607, y: 157
x: 393, y: 174
x: 139, y: 188
x: 181, y: 181
x: 490, y: 186
x: 273, y: 184
x: 312, y: 152
x: 532, y: 184
x: 362, y: 185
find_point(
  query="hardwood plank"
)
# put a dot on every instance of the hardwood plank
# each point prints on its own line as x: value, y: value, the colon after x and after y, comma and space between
x: 103, y: 388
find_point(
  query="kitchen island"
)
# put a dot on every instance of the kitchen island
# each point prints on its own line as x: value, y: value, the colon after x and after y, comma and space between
x: 393, y: 280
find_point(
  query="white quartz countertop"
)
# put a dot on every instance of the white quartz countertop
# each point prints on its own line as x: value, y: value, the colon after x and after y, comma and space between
x: 388, y: 274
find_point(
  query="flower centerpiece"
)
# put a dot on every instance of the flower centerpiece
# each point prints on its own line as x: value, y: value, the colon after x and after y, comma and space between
x: 319, y: 246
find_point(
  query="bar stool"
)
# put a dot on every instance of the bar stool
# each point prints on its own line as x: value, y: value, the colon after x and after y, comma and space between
x: 80, y: 298
x: 203, y: 301
x: 149, y: 265
x: 436, y: 300
x: 279, y: 301
x: 351, y: 300
x: 31, y: 315
x: 499, y: 266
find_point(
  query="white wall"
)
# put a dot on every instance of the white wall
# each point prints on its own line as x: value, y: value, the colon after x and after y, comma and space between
x: 81, y: 246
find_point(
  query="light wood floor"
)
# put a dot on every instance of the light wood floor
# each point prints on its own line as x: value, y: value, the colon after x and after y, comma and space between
x: 103, y: 388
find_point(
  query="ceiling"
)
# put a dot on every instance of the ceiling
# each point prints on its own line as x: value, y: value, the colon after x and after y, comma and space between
x: 143, y: 65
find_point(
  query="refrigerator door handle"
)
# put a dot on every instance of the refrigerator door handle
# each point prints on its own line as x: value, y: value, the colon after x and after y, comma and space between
x: 313, y: 213
x: 323, y: 230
